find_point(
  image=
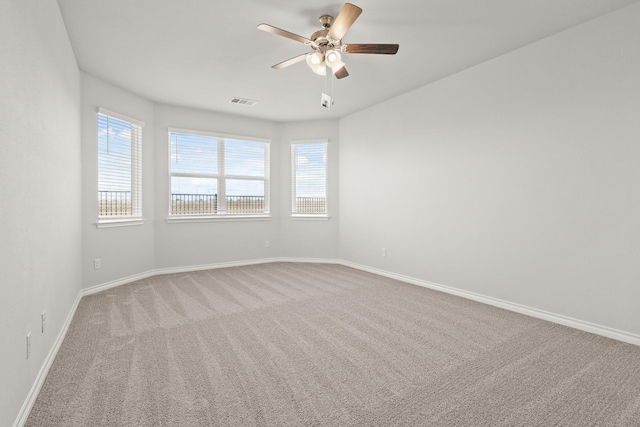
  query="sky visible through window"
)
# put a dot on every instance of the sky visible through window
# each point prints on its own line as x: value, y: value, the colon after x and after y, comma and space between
x: 114, y: 154
x: 194, y: 154
x: 310, y: 170
x: 244, y: 166
x: 198, y: 154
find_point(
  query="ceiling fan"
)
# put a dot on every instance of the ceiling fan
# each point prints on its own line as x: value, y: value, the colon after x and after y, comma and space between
x: 327, y: 43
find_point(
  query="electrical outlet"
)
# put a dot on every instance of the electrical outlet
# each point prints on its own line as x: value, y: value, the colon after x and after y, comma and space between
x: 266, y: 244
x: 44, y: 321
x: 96, y: 264
x: 28, y: 345
x: 384, y: 252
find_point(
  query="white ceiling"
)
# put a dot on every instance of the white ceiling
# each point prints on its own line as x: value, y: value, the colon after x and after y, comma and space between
x: 201, y: 53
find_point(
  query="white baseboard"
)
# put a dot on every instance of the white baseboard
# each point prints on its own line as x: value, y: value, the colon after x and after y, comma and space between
x: 44, y: 369
x: 115, y: 283
x: 518, y: 308
x: 311, y: 260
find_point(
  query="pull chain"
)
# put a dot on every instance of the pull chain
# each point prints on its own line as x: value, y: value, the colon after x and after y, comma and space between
x: 326, y: 99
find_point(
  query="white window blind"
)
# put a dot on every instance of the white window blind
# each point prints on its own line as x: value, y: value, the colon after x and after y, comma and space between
x: 119, y: 166
x: 214, y: 175
x: 309, y: 177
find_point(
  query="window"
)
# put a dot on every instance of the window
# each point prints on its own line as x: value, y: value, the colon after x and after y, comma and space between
x: 119, y: 167
x: 309, y: 178
x: 214, y: 175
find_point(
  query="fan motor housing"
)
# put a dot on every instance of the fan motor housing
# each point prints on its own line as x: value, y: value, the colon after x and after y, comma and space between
x: 320, y: 36
x: 321, y: 42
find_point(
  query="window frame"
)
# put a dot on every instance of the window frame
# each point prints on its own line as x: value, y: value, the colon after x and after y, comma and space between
x: 136, y: 217
x: 309, y: 216
x: 220, y: 176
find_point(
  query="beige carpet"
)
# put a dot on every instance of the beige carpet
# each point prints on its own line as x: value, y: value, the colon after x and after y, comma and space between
x: 288, y: 344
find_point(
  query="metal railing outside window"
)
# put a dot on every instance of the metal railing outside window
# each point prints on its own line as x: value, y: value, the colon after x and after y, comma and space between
x: 114, y: 203
x: 194, y: 204
x: 311, y: 204
x: 203, y: 204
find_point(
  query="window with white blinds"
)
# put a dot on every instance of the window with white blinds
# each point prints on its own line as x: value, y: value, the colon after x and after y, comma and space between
x: 309, y: 178
x: 119, y: 166
x: 217, y: 175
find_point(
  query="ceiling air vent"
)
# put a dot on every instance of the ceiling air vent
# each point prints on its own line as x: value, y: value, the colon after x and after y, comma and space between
x: 243, y: 101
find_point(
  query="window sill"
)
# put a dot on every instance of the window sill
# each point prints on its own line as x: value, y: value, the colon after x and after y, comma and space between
x: 179, y: 219
x: 323, y: 217
x: 109, y: 223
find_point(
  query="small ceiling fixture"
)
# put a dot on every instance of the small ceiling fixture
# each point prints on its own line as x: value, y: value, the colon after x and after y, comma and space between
x: 327, y: 43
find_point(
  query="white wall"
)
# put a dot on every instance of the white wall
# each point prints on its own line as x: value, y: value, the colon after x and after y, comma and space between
x: 516, y: 179
x: 204, y: 243
x: 123, y: 251
x: 40, y: 178
x: 304, y: 238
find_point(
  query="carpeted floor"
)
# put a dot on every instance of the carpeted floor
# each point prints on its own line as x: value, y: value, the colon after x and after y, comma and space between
x: 288, y: 344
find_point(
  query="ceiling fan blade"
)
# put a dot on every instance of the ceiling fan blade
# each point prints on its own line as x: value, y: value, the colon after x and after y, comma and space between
x: 275, y: 30
x: 341, y: 73
x: 291, y: 61
x: 384, y: 49
x: 343, y: 21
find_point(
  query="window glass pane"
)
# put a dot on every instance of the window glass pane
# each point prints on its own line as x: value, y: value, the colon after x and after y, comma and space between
x: 195, y: 154
x: 119, y: 168
x: 309, y: 177
x: 217, y: 175
x: 244, y: 158
x: 189, y: 185
x: 245, y: 196
x: 114, y: 154
x: 193, y: 196
x: 245, y: 187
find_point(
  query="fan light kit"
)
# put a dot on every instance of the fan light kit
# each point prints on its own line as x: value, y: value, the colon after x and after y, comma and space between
x: 327, y: 44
